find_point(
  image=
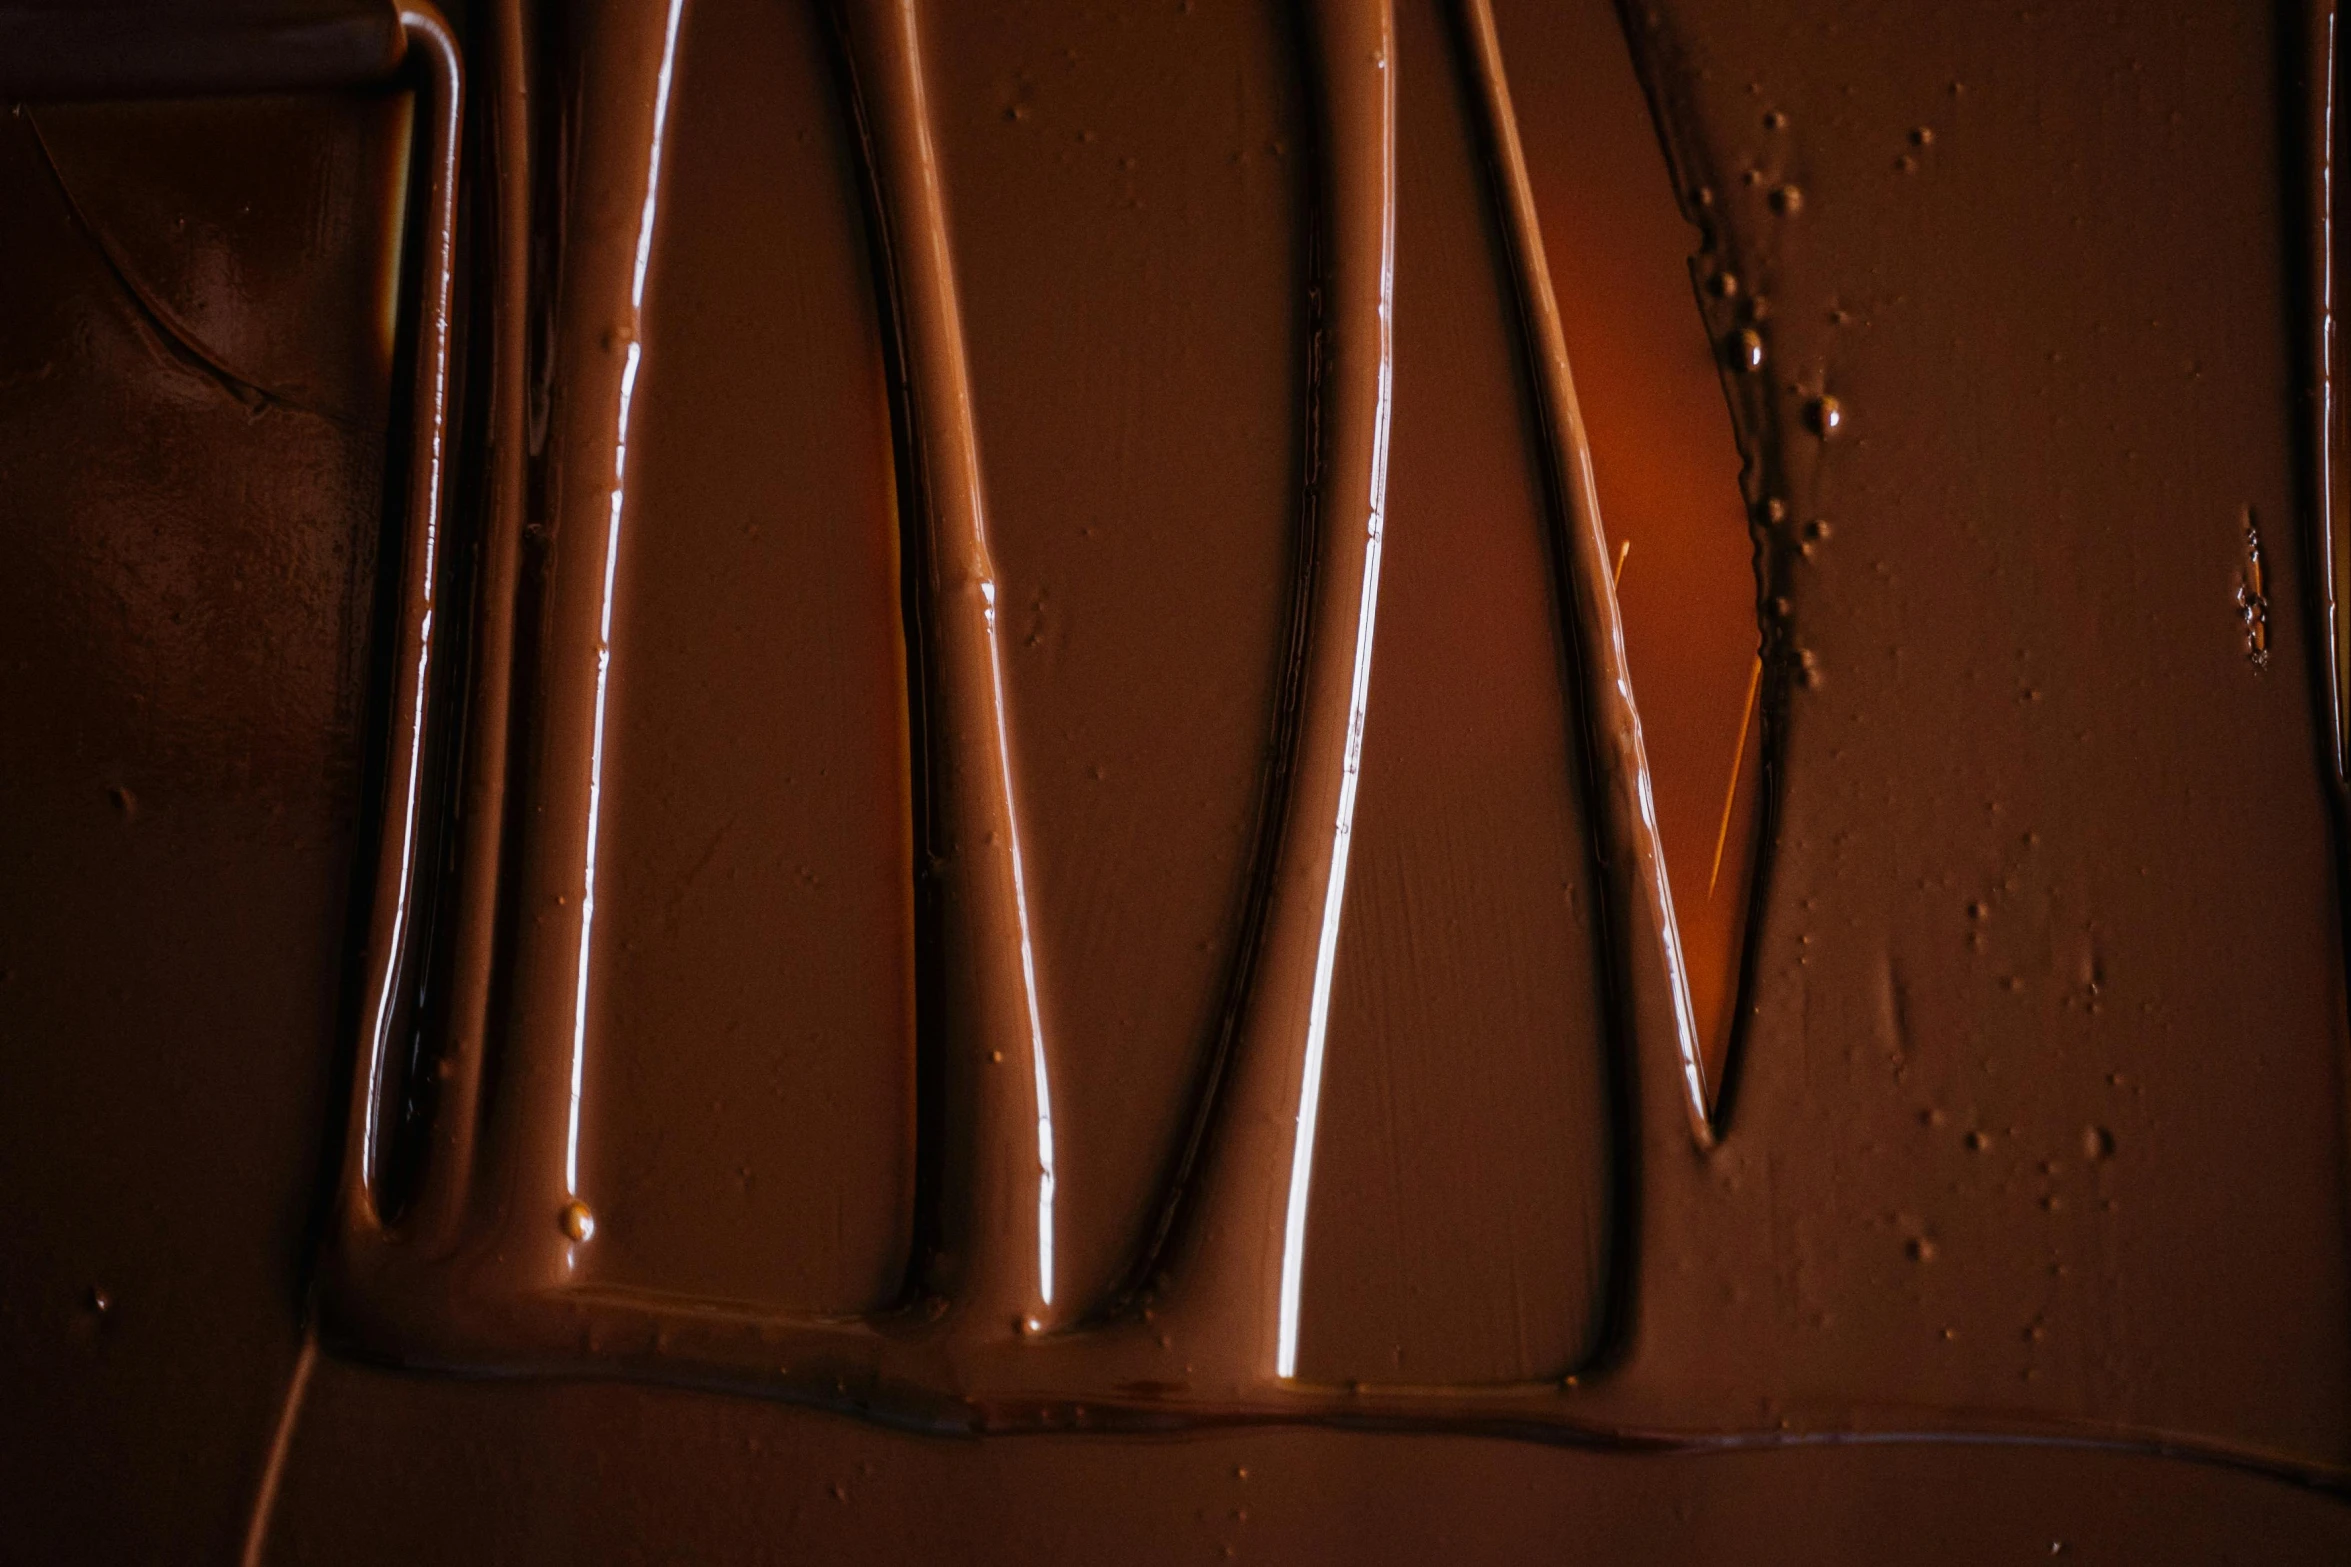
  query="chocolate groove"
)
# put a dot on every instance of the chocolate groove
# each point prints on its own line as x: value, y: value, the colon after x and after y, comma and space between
x: 1728, y: 283
x: 390, y: 939
x: 1632, y: 860
x: 493, y: 1144
x: 436, y: 1206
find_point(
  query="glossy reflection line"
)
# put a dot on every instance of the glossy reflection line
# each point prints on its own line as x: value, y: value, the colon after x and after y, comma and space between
x: 887, y: 50
x: 388, y: 986
x: 1326, y: 952
x: 620, y: 463
x: 1613, y: 719
x: 1028, y: 962
x: 425, y: 30
x: 929, y: 163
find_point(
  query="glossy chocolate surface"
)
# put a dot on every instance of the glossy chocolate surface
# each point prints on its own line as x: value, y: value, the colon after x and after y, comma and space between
x: 1343, y: 781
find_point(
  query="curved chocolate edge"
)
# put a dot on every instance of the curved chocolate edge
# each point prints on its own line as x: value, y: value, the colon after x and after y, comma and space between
x: 992, y: 1264
x: 905, y: 1373
x: 435, y: 1208
x: 1229, y: 1285
x: 391, y: 938
x: 1632, y: 860
x: 1659, y: 61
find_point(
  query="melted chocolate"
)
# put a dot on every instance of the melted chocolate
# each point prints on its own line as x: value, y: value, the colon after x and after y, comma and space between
x: 1003, y: 769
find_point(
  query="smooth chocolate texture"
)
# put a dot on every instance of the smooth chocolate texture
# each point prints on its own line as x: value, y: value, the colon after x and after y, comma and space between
x: 100, y: 49
x: 190, y: 590
x: 1057, y: 569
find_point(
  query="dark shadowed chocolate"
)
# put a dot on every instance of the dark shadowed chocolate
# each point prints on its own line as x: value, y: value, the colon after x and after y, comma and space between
x: 1362, y: 780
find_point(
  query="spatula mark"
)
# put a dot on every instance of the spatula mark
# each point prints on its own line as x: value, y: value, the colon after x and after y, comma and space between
x: 154, y: 319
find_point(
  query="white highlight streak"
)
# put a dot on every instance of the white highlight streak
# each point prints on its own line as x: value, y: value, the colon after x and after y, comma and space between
x: 436, y: 314
x: 389, y: 985
x: 1684, y: 1014
x: 929, y: 162
x: 620, y: 463
x: 1326, y: 952
x: 1028, y: 970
